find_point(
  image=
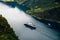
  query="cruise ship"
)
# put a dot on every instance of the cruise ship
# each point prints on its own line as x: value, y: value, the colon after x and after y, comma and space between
x: 30, y: 25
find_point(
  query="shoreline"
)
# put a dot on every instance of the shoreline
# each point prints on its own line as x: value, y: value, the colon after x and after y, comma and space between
x: 53, y: 25
x: 49, y: 20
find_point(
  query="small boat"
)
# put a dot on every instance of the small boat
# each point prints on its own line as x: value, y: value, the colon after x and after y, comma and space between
x: 30, y: 25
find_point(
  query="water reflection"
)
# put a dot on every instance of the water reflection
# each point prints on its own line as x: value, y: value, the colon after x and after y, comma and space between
x: 18, y: 18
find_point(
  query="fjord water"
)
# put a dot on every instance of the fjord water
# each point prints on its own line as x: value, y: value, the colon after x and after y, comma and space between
x: 17, y: 18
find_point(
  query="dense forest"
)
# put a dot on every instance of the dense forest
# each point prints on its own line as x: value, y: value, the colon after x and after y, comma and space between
x: 45, y: 9
x: 6, y: 32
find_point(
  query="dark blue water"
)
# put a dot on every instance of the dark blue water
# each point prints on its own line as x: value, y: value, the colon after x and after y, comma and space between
x: 16, y: 17
x: 15, y: 4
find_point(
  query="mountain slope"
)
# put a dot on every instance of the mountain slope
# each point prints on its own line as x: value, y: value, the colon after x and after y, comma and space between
x: 6, y: 32
x: 47, y: 14
x: 38, y: 3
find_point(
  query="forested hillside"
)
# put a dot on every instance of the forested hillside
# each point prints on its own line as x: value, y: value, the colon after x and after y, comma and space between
x: 45, y: 9
x: 38, y: 3
x: 51, y: 14
x: 6, y: 32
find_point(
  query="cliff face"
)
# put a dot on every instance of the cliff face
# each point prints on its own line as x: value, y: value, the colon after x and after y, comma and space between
x: 6, y: 32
